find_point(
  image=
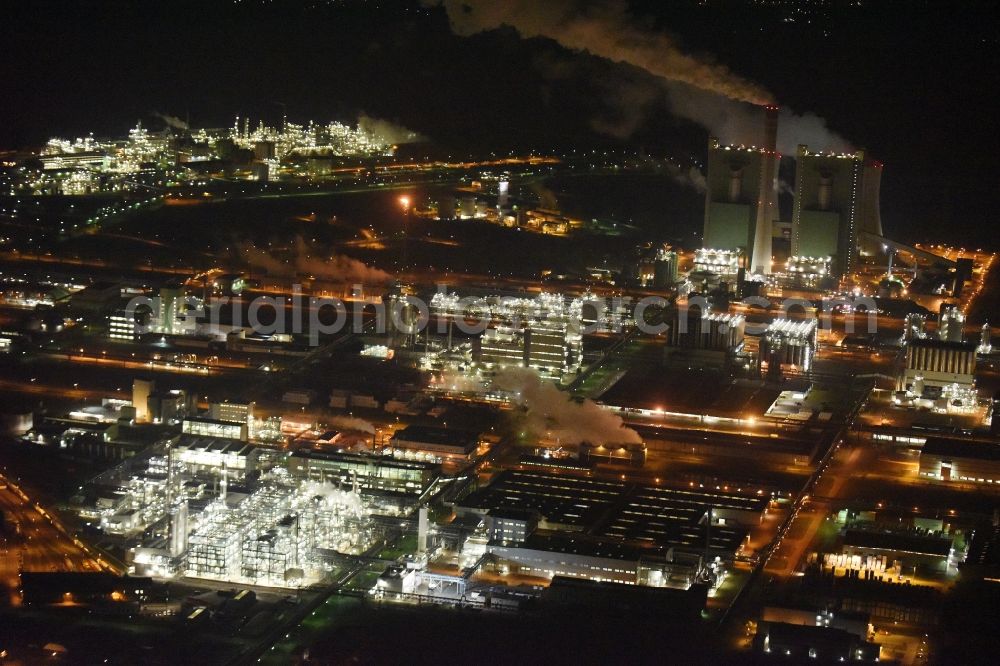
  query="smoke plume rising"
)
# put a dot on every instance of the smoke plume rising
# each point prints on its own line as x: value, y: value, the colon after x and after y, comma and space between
x: 603, y: 29
x: 337, y: 268
x: 387, y: 131
x: 699, y: 90
x: 735, y: 122
x: 550, y: 410
x: 690, y: 177
x: 172, y: 121
x: 351, y: 423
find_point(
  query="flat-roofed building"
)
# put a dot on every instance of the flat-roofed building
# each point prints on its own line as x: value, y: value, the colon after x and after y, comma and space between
x: 960, y: 460
x: 235, y: 412
x: 123, y: 325
x: 439, y: 442
x: 629, y: 513
x: 550, y: 347
x: 374, y: 474
x: 937, y: 363
x: 98, y: 298
x: 167, y: 406
x: 503, y: 346
x: 205, y: 427
x: 826, y: 645
x: 575, y: 556
x: 836, y: 207
x: 510, y: 526
x: 666, y: 604
x: 237, y: 457
x: 866, y: 546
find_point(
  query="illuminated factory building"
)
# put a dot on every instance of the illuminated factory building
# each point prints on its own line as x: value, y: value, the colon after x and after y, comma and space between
x: 541, y: 333
x: 790, y: 342
x: 219, y: 508
x: 951, y: 323
x: 710, y: 331
x: 719, y: 262
x: 941, y: 373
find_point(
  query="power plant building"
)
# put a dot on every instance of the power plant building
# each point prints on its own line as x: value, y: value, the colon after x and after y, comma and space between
x: 836, y: 206
x: 940, y: 372
x: 740, y: 201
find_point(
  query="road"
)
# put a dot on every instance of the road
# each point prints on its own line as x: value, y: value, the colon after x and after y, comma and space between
x: 32, y: 541
x: 810, y: 514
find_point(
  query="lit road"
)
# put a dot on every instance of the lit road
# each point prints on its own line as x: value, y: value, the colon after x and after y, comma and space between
x: 53, y: 391
x: 811, y: 513
x: 32, y: 541
x: 90, y: 263
x: 204, y: 367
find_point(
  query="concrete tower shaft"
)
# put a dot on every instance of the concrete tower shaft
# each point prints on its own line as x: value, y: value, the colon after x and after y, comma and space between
x: 760, y: 261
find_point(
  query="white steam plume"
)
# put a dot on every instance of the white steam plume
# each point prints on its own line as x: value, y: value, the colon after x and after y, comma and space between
x: 735, y: 122
x: 337, y: 267
x: 351, y: 423
x: 387, y: 131
x: 172, y: 121
x: 551, y: 410
x: 603, y: 29
x: 699, y: 90
x: 690, y: 177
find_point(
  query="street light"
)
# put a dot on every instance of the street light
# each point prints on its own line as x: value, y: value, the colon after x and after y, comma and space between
x: 404, y: 203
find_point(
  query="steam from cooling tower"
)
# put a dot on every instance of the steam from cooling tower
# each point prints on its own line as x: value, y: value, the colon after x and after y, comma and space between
x: 550, y: 410
x: 699, y: 90
x: 300, y: 260
x: 738, y: 123
x: 386, y: 131
x: 603, y: 29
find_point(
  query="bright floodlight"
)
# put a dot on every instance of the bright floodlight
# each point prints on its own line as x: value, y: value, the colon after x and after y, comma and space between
x: 404, y: 201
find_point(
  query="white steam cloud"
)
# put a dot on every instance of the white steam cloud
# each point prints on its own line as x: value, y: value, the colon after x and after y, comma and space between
x: 690, y: 177
x: 603, y: 29
x: 735, y: 122
x: 351, y: 423
x: 172, y: 121
x: 699, y: 90
x: 550, y: 410
x: 386, y: 131
x: 337, y: 268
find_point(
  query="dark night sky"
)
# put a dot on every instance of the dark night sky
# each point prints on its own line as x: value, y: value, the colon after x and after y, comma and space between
x: 913, y: 82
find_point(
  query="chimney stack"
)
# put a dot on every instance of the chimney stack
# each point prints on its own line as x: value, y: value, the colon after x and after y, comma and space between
x: 760, y: 261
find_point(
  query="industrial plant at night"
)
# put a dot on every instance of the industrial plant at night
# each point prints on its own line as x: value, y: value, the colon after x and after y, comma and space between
x: 565, y: 333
